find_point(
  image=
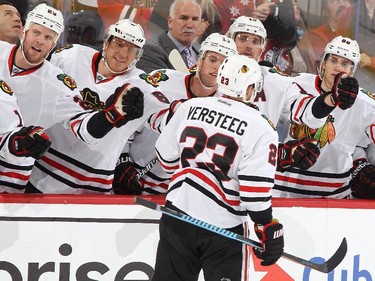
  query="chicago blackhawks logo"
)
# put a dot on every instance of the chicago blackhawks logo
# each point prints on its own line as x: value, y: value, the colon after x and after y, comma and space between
x: 276, y: 70
x: 89, y: 100
x: 68, y: 81
x: 5, y: 88
x: 155, y: 77
x: 371, y: 95
x: 66, y: 47
x: 325, y: 134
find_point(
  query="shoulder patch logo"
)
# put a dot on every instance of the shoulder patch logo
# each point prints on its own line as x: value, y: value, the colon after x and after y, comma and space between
x: 277, y: 71
x: 5, y: 88
x: 89, y: 100
x: 371, y: 95
x: 155, y: 77
x: 68, y: 81
x: 66, y: 47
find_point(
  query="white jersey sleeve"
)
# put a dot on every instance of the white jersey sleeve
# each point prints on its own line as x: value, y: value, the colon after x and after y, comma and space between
x: 223, y: 153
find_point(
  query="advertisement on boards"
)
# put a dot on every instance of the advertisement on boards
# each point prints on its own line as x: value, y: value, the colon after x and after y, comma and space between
x: 86, y: 242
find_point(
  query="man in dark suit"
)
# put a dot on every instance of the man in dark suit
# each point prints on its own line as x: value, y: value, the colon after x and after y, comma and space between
x: 184, y: 17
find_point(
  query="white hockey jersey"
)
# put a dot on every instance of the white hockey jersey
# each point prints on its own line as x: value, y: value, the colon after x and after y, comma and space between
x: 280, y: 96
x: 175, y: 85
x: 223, y: 156
x: 70, y: 165
x: 44, y: 95
x: 337, y: 139
x: 12, y: 178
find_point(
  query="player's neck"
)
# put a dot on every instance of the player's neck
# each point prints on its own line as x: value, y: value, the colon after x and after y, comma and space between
x: 200, y: 90
x: 21, y: 62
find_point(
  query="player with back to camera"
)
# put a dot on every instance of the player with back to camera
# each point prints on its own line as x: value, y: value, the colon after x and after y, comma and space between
x: 175, y: 85
x: 222, y: 153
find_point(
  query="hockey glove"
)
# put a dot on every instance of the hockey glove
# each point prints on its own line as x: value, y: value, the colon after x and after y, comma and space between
x: 123, y: 105
x: 302, y: 153
x: 125, y: 181
x: 29, y: 142
x: 363, y: 179
x: 272, y: 238
x: 344, y: 91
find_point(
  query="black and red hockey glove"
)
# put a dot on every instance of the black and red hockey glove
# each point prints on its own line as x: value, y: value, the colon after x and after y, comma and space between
x: 271, y: 236
x: 125, y: 181
x: 302, y: 153
x: 363, y: 179
x: 344, y: 91
x: 123, y: 105
x: 29, y: 142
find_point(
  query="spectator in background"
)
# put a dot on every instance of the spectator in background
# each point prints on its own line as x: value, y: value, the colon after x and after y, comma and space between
x: 333, y: 11
x: 285, y: 25
x: 10, y: 23
x: 362, y: 27
x: 137, y: 11
x: 211, y: 19
x: 183, y: 20
x: 85, y: 28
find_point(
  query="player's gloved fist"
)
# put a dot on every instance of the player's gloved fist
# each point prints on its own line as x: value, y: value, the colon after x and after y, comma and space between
x: 29, y: 142
x: 363, y: 179
x: 302, y: 153
x: 125, y: 104
x: 125, y: 178
x: 272, y: 238
x: 344, y: 91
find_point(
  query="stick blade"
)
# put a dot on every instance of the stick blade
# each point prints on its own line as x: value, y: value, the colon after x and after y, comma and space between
x: 337, y: 257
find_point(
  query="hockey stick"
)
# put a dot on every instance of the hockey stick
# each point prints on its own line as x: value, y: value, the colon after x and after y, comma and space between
x: 177, y: 61
x: 147, y: 168
x: 325, y: 267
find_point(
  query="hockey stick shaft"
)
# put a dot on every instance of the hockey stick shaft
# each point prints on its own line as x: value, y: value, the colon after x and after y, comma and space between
x: 147, y: 168
x: 326, y: 267
x: 177, y: 61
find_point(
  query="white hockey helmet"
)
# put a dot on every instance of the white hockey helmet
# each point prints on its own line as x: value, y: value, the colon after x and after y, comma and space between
x: 46, y: 16
x: 128, y: 31
x: 248, y: 25
x: 218, y: 43
x: 238, y: 72
x: 343, y: 47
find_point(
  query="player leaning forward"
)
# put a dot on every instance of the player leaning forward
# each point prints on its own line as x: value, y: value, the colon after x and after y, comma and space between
x: 223, y: 172
x: 73, y: 166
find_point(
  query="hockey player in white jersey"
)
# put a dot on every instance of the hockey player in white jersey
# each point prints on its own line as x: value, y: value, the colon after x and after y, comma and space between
x: 201, y: 82
x: 222, y: 153
x: 352, y: 117
x: 19, y: 145
x: 72, y: 166
x: 281, y: 96
x: 38, y: 85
